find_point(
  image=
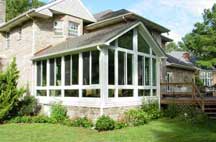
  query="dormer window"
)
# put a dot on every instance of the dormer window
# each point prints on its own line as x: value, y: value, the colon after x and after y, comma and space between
x: 58, y: 27
x: 7, y: 37
x: 73, y: 29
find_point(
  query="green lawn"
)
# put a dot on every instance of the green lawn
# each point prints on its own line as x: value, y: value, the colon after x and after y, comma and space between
x: 157, y: 131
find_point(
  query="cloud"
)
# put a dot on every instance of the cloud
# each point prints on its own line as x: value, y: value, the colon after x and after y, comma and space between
x: 177, y: 15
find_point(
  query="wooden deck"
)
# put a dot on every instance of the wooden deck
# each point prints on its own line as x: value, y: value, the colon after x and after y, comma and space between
x: 187, y: 93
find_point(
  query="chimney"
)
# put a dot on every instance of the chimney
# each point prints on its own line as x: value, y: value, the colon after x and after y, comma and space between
x: 2, y: 11
x: 186, y: 56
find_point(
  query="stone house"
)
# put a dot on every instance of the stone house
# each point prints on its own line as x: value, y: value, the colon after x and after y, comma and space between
x: 94, y: 64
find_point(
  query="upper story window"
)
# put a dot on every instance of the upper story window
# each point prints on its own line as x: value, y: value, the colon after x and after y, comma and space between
x: 73, y: 29
x: 19, y: 33
x: 58, y: 27
x: 126, y: 41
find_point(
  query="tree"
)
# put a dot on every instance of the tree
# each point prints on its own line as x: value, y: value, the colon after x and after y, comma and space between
x: 9, y: 92
x: 202, y: 40
x: 17, y: 7
x: 172, y: 46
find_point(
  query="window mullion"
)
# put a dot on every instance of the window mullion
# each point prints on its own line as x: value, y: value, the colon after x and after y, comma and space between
x: 71, y: 70
x: 41, y: 65
x: 90, y: 68
x: 55, y: 72
x: 125, y: 68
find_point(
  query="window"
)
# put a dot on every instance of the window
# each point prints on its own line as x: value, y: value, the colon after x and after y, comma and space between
x: 67, y: 70
x: 111, y: 93
x: 126, y: 41
x: 52, y: 72
x: 58, y: 27
x: 147, y: 71
x: 142, y: 93
x: 154, y: 72
x: 41, y: 93
x: 86, y: 65
x: 73, y: 29
x: 58, y: 71
x: 91, y: 93
x: 121, y: 68
x: 41, y: 73
x: 71, y: 93
x: 129, y: 69
x: 91, y: 67
x: 125, y: 92
x: 125, y: 68
x: 111, y: 66
x: 142, y: 44
x: 55, y: 93
x: 75, y: 69
x: 140, y: 70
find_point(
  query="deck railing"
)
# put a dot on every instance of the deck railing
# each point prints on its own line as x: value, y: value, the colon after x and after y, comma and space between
x: 182, y: 90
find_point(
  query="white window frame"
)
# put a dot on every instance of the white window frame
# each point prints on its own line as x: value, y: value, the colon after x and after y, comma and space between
x: 73, y: 28
x: 59, y: 28
x: 7, y: 39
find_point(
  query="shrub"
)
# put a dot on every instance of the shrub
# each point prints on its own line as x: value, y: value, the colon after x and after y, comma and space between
x: 58, y: 112
x: 9, y: 92
x: 152, y: 109
x: 82, y: 122
x: 105, y: 123
x: 172, y: 111
x: 135, y: 117
x: 120, y: 125
x: 42, y: 119
x: 28, y: 106
x: 21, y: 119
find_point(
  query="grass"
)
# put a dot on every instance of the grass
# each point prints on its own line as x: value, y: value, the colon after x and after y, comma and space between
x: 156, y: 131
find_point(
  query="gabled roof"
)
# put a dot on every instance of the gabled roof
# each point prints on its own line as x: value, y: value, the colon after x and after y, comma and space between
x: 101, y: 37
x: 70, y: 7
x: 108, y: 17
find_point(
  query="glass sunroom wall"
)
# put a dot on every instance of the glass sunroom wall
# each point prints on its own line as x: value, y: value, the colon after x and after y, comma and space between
x: 132, y: 67
x: 75, y: 75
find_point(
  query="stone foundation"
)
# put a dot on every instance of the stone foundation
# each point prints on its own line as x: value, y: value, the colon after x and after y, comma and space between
x: 91, y: 112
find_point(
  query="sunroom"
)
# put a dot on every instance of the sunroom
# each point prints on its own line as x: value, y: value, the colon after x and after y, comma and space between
x: 114, y: 67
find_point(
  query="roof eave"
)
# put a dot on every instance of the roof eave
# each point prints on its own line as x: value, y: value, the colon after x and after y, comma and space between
x: 182, y: 66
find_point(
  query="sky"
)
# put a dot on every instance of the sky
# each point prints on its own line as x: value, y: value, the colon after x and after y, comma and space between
x: 177, y: 15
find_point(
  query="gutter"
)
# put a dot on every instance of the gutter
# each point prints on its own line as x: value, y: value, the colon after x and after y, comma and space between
x: 181, y: 66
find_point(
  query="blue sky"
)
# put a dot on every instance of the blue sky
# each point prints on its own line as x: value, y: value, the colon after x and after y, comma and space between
x: 177, y: 15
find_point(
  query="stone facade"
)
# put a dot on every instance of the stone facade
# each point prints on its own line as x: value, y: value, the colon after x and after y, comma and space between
x: 2, y: 11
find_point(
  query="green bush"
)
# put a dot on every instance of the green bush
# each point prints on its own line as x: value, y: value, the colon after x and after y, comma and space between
x: 42, y: 119
x: 21, y: 119
x: 136, y: 117
x: 172, y: 111
x: 58, y: 112
x: 105, y: 123
x: 152, y: 109
x: 28, y: 106
x: 9, y: 91
x: 120, y: 125
x: 82, y: 122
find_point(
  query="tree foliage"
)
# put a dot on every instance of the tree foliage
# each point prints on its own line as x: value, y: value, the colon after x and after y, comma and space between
x: 9, y: 92
x: 172, y: 46
x: 202, y: 40
x: 17, y: 7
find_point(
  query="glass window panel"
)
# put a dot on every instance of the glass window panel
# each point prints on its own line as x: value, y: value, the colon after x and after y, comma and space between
x: 111, y: 93
x: 143, y: 45
x: 95, y: 67
x: 67, y: 70
x: 41, y: 93
x: 58, y: 71
x: 142, y: 92
x: 71, y: 93
x: 126, y: 41
x: 111, y: 66
x: 113, y: 43
x: 52, y: 72
x: 58, y: 27
x: 91, y: 93
x: 129, y: 69
x: 147, y: 71
x: 125, y: 93
x: 55, y: 93
x: 72, y: 28
x: 121, y: 68
x: 140, y: 70
x: 75, y: 69
x: 44, y: 73
x: 154, y: 92
x: 154, y: 70
x: 86, y: 67
x: 39, y: 73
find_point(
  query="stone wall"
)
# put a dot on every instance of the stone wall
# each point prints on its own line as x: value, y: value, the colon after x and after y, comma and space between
x: 21, y: 48
x: 2, y: 11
